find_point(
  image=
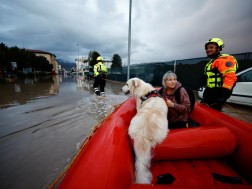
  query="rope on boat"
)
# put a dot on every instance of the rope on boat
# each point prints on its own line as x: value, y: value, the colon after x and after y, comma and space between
x: 81, y: 148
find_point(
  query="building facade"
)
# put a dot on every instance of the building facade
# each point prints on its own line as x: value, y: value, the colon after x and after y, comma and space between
x: 49, y: 56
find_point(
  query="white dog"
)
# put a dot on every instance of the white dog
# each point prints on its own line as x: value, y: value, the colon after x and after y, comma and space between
x: 148, y: 128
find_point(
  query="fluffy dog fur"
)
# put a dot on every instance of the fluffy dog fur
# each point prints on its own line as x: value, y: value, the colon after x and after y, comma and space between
x: 148, y: 127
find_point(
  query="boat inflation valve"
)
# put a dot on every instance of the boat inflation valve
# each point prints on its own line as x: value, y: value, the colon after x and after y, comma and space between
x: 165, y: 179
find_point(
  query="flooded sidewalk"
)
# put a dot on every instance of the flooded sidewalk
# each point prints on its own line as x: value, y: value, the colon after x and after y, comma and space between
x: 237, y: 111
x: 240, y: 112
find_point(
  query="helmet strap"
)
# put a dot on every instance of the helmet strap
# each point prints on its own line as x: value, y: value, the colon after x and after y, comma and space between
x: 214, y: 55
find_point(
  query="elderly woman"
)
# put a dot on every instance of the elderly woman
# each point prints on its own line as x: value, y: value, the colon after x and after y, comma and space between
x: 178, y: 112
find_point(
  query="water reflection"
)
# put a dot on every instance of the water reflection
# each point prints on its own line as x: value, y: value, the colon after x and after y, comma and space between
x: 22, y: 91
x: 44, y: 122
x: 84, y: 83
x: 87, y: 84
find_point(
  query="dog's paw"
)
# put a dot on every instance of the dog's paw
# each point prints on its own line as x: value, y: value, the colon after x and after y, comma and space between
x: 144, y: 178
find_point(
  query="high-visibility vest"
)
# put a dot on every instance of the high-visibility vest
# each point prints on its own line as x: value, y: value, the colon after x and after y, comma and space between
x: 221, y: 72
x: 100, y: 68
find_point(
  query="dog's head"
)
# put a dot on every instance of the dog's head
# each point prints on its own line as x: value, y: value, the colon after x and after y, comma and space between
x: 134, y: 86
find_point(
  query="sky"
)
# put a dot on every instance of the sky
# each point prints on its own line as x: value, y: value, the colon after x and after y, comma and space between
x: 161, y: 30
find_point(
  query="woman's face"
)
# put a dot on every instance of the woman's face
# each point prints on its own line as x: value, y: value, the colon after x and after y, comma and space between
x: 170, y: 82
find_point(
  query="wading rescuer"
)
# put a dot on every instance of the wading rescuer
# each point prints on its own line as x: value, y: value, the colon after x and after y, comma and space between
x: 100, y: 74
x: 219, y: 75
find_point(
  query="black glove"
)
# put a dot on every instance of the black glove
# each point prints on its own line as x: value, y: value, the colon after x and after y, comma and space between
x: 203, y: 80
x: 226, y: 93
x: 221, y: 100
x: 98, y: 76
x: 104, y: 76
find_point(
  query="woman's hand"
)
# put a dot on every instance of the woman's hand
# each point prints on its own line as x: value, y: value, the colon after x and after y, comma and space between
x: 169, y: 103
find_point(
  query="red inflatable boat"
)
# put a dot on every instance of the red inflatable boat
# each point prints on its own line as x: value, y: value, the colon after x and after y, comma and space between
x: 215, y: 155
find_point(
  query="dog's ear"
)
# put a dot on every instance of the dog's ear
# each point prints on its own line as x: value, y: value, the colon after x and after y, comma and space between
x: 135, y: 82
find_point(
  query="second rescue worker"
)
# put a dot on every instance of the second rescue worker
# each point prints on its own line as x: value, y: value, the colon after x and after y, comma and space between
x: 100, y: 74
x: 219, y: 75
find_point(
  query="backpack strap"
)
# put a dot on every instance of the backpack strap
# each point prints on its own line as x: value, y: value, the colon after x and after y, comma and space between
x: 177, y: 94
x: 190, y: 95
x: 161, y: 91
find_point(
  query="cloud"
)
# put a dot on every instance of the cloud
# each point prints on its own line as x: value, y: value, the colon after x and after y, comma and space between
x: 161, y: 30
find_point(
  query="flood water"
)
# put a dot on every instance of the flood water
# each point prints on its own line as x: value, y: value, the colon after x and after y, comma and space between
x: 43, y: 123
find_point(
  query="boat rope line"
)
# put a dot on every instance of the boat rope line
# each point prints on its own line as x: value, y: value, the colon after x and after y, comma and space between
x: 94, y: 129
x: 230, y: 107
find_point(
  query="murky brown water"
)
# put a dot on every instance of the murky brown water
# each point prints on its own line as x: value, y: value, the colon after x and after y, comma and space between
x: 43, y: 124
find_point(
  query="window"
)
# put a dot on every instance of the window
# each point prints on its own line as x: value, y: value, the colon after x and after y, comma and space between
x: 246, y: 77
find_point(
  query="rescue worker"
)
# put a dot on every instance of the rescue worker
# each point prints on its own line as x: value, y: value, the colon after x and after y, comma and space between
x: 219, y: 75
x: 100, y: 74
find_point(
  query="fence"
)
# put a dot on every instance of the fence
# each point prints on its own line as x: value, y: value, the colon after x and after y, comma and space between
x: 187, y: 70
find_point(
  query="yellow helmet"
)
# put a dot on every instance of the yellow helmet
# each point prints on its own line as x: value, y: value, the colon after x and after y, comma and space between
x: 217, y: 41
x: 99, y: 58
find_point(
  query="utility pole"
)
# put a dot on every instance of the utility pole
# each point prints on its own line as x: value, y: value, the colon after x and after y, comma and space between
x: 77, y: 65
x: 129, y: 39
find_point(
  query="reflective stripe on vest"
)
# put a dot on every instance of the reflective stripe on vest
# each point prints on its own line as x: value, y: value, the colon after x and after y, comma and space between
x: 102, y: 68
x: 214, y: 78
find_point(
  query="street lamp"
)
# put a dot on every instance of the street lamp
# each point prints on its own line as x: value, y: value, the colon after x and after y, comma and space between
x: 78, y: 50
x: 77, y: 65
x: 129, y: 39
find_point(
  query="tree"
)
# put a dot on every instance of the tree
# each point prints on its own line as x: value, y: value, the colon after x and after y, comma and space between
x: 23, y: 58
x: 3, y: 56
x: 92, y: 57
x: 116, y: 63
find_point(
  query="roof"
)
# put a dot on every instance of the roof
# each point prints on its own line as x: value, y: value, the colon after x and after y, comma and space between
x: 39, y: 51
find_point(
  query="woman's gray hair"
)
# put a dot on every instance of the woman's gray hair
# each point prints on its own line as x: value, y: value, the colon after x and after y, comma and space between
x: 166, y: 76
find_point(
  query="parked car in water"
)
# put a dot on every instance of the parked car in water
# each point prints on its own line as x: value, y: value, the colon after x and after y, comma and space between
x: 242, y: 92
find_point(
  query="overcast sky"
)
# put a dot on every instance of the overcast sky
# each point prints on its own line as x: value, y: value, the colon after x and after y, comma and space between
x: 161, y: 30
